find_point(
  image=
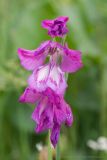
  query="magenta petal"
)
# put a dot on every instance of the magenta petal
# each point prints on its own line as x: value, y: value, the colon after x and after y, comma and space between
x: 28, y: 59
x: 56, y: 80
x: 59, y: 111
x: 32, y: 59
x: 69, y: 116
x: 71, y: 61
x: 59, y: 116
x: 29, y: 96
x: 47, y: 23
x: 46, y: 119
x: 38, y: 80
x: 55, y: 134
x: 62, y: 112
x: 44, y: 46
x: 63, y: 18
x: 68, y: 113
x: 52, y: 97
x: 36, y: 115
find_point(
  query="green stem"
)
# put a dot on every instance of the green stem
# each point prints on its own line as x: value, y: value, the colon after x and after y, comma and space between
x: 66, y: 76
x: 54, y: 39
x: 58, y: 152
x: 63, y: 40
x: 49, y: 147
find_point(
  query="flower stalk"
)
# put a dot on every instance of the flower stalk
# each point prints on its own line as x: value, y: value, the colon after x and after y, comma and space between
x: 58, y: 151
x: 49, y: 147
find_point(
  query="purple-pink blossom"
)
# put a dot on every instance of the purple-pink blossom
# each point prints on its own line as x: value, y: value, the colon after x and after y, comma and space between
x: 56, y: 27
x: 50, y: 113
x: 71, y: 60
x: 47, y: 83
x: 48, y: 75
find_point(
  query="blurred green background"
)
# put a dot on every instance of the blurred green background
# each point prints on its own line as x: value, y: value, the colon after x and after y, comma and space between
x: 20, y: 26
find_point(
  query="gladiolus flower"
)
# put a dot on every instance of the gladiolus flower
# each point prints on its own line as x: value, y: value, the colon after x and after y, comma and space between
x: 47, y: 83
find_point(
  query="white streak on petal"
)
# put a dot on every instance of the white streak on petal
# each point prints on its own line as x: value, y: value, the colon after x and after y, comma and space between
x: 56, y: 80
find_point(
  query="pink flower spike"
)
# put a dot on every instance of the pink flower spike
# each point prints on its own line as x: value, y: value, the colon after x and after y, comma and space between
x: 47, y: 83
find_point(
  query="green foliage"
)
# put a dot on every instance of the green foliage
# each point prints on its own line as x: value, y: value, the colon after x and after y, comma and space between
x: 87, y: 93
